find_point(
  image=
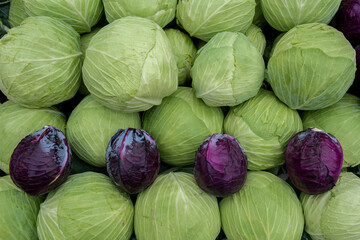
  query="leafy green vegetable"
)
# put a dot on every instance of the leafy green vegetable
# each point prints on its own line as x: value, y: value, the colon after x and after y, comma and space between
x: 18, y: 212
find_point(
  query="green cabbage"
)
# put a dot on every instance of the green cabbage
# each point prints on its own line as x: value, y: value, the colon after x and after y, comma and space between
x: 18, y: 212
x: 266, y: 207
x: 40, y: 62
x: 175, y: 208
x: 203, y: 19
x: 80, y: 14
x: 311, y: 67
x: 255, y: 34
x: 343, y: 121
x: 160, y: 11
x: 87, y: 206
x: 180, y: 124
x: 16, y: 122
x: 334, y: 214
x: 91, y: 126
x: 228, y: 70
x: 263, y: 126
x: 129, y: 65
x: 184, y: 51
x: 286, y: 14
x: 17, y: 12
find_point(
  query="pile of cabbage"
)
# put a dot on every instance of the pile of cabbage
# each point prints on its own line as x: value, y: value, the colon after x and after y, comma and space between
x: 259, y: 71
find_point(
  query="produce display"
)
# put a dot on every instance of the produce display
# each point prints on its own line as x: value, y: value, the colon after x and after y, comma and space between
x: 179, y: 120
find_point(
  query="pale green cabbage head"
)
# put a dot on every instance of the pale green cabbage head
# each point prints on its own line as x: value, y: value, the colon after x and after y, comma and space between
x: 228, y: 70
x: 263, y: 125
x: 18, y: 212
x: 343, y: 121
x: 17, y: 12
x: 266, y: 207
x: 80, y: 14
x: 40, y: 62
x: 203, y: 19
x: 129, y: 65
x: 334, y: 214
x: 311, y: 67
x: 175, y: 208
x: 180, y: 124
x: 184, y: 51
x: 91, y: 126
x: 255, y: 34
x: 160, y: 11
x: 16, y: 122
x: 286, y: 14
x: 87, y: 206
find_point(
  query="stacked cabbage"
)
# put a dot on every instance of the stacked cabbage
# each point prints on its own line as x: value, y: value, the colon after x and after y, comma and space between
x: 130, y: 67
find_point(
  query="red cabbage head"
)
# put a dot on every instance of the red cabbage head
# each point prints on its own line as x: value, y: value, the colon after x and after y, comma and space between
x: 314, y: 160
x: 220, y: 165
x: 132, y: 159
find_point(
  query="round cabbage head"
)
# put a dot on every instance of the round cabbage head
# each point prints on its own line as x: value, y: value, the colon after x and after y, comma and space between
x: 255, y: 34
x: 311, y: 67
x: 160, y: 11
x: 263, y: 126
x: 80, y: 14
x: 18, y: 212
x: 266, y: 207
x: 129, y: 65
x: 184, y: 51
x: 91, y: 126
x: 175, y: 208
x: 40, y: 62
x: 180, y: 124
x: 16, y: 12
x: 203, y: 19
x: 228, y: 70
x: 342, y: 120
x: 87, y: 206
x: 16, y: 122
x: 286, y: 14
x: 334, y: 214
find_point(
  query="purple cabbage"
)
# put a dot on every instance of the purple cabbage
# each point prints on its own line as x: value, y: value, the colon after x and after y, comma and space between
x: 41, y: 161
x: 220, y: 165
x: 132, y: 159
x: 347, y: 19
x: 313, y: 159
